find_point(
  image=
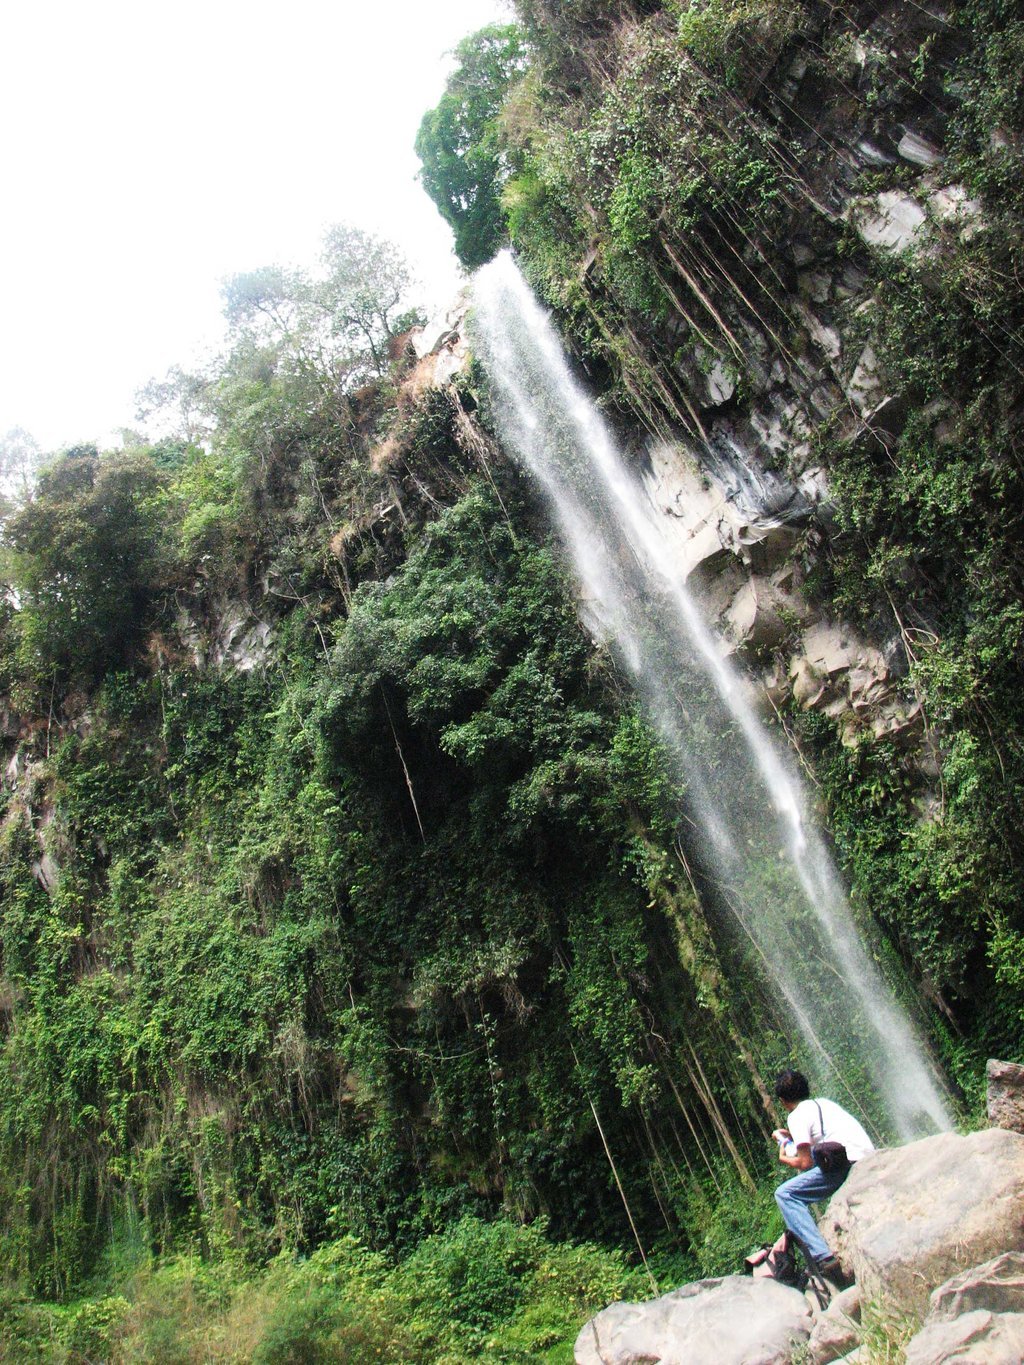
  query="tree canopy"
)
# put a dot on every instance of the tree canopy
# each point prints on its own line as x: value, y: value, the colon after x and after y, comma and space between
x: 459, y: 142
x: 335, y: 323
x: 85, y: 554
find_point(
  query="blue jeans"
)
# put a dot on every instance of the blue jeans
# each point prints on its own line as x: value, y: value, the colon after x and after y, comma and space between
x: 794, y: 1198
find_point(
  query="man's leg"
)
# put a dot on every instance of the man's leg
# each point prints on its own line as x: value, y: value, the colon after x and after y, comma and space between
x: 794, y: 1198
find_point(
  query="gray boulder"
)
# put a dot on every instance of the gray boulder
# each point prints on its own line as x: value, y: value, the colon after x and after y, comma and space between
x: 891, y: 220
x: 982, y: 1337
x: 836, y: 1333
x: 1005, y: 1095
x: 918, y: 150
x: 908, y: 1219
x: 976, y: 1316
x: 998, y: 1285
x: 736, y: 1320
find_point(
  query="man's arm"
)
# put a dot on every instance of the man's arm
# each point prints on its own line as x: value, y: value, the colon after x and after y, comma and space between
x: 802, y: 1161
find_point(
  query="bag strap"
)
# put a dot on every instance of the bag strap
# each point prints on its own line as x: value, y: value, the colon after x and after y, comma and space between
x: 821, y: 1120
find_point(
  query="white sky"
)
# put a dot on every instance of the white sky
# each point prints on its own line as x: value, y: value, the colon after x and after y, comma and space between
x: 147, y: 151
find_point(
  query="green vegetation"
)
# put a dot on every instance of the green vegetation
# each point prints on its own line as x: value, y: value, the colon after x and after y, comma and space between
x: 493, y: 1292
x: 628, y: 162
x: 458, y: 141
x: 86, y: 552
x: 931, y: 525
x: 348, y: 943
x: 664, y: 158
x: 357, y: 997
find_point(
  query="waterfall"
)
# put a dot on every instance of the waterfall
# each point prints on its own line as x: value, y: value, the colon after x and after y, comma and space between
x: 764, y: 861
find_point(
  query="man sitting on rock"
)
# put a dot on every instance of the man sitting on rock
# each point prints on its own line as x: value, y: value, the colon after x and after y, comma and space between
x: 812, y: 1122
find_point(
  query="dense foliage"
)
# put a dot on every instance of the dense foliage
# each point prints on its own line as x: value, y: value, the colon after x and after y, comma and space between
x: 357, y: 994
x: 493, y: 1292
x: 668, y: 163
x: 341, y: 898
x: 85, y: 564
x: 459, y: 146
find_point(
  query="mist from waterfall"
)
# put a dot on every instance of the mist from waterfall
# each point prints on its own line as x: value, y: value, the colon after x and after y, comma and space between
x: 758, y: 848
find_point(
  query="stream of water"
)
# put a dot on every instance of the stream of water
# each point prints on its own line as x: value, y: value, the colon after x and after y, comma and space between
x: 758, y: 849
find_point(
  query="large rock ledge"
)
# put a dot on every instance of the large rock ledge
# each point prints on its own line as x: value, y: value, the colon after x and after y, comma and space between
x: 933, y: 1231
x: 909, y: 1218
x: 732, y: 1321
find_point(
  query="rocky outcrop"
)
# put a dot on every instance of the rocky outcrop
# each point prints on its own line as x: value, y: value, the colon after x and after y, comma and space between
x: 1006, y: 1095
x: 732, y: 1321
x: 997, y: 1286
x: 891, y: 220
x: 441, y: 347
x: 983, y: 1338
x: 976, y: 1316
x: 908, y: 1219
x: 229, y: 633
x: 934, y: 1232
x: 837, y: 1330
x: 735, y: 532
x: 742, y: 479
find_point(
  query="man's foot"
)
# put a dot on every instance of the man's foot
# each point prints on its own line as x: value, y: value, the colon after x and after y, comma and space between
x: 828, y: 1268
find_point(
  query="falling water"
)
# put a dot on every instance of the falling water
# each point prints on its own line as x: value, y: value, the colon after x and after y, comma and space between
x: 765, y: 860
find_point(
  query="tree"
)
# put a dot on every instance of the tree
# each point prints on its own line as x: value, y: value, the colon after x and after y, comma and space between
x: 459, y: 141
x: 19, y: 460
x: 333, y: 326
x: 366, y: 283
x: 182, y: 399
x: 84, y: 560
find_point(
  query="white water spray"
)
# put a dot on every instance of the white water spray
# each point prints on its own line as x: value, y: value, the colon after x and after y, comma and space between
x: 767, y: 861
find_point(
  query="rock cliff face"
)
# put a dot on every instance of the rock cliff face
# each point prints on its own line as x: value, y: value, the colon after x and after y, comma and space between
x: 741, y: 538
x: 748, y: 492
x: 768, y: 333
x: 235, y: 629
x: 775, y: 235
x: 366, y: 867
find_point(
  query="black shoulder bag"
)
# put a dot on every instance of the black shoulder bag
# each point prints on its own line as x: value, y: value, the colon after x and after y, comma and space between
x: 829, y: 1157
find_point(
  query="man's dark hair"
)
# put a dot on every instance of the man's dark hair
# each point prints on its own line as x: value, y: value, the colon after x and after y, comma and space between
x: 792, y: 1086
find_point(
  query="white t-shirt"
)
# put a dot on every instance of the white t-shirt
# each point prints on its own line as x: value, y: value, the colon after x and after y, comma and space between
x: 805, y: 1127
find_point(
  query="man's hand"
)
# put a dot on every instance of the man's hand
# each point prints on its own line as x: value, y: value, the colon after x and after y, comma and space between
x: 802, y: 1161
